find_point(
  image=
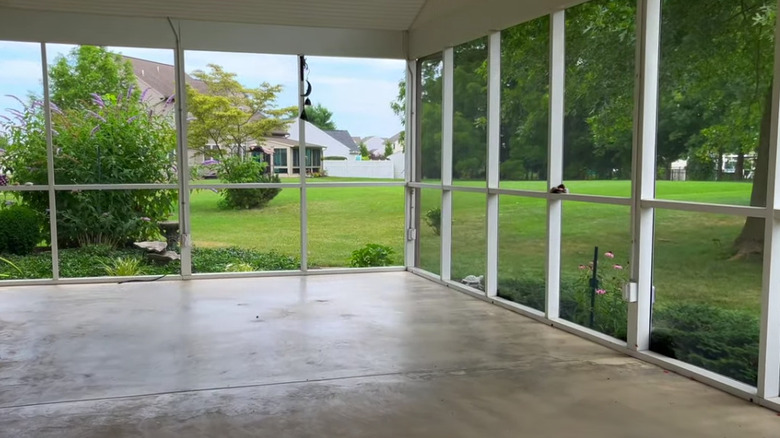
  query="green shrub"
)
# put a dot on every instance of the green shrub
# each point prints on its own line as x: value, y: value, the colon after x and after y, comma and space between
x: 20, y: 230
x: 217, y: 260
x: 720, y: 340
x: 371, y: 255
x: 334, y: 158
x: 236, y: 170
x: 123, y: 267
x: 112, y: 140
x: 433, y: 219
x: 239, y: 267
x: 88, y: 261
x: 513, y: 169
x: 10, y: 264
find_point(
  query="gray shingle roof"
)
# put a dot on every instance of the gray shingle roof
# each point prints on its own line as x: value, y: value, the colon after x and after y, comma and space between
x: 345, y: 138
x: 161, y: 77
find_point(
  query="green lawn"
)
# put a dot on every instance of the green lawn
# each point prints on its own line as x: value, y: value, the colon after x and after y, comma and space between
x: 692, y: 260
x: 692, y: 255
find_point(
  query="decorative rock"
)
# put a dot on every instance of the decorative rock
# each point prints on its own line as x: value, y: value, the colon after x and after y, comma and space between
x: 473, y: 281
x: 157, y: 247
x: 164, y: 258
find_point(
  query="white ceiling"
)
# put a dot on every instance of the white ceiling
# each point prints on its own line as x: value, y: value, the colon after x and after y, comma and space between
x: 345, y: 14
x: 360, y: 28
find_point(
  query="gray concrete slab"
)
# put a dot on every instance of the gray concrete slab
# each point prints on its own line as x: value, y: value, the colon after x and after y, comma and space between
x: 366, y: 355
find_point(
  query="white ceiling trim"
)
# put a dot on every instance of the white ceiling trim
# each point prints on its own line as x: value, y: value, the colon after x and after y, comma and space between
x: 477, y: 19
x: 76, y: 28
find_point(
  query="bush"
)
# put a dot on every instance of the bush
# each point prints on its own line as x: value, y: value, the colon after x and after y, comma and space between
x: 513, y: 169
x: 112, y: 140
x: 334, y: 158
x: 720, y: 340
x: 218, y: 260
x: 124, y: 267
x: 10, y: 264
x: 433, y: 219
x: 371, y: 255
x: 20, y: 230
x: 238, y: 170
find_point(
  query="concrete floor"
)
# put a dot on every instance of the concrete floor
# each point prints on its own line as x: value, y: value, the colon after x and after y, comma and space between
x: 370, y: 355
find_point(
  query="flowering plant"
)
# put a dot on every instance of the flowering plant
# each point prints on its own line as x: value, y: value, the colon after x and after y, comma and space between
x: 605, y: 306
x: 110, y: 139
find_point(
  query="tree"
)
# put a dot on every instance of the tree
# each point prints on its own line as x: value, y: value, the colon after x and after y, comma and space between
x: 229, y: 115
x: 364, y: 153
x: 399, y: 109
x: 225, y: 119
x: 88, y: 71
x: 388, y: 148
x: 112, y: 140
x: 321, y: 117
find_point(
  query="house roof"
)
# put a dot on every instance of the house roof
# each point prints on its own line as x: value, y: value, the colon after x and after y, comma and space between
x: 286, y: 142
x: 160, y: 77
x: 395, y: 138
x: 346, y: 138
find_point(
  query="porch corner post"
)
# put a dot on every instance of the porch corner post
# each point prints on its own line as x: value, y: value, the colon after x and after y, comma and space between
x: 411, y: 195
x: 446, y: 162
x: 643, y: 173
x: 493, y: 161
x: 182, y: 157
x: 555, y: 162
x: 769, y: 341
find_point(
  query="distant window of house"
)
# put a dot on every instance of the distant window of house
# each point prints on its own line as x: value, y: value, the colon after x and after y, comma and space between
x: 313, y: 159
x: 280, y: 160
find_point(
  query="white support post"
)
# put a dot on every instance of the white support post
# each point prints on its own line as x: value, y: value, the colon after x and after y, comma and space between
x: 769, y: 345
x: 410, y: 194
x: 493, y: 145
x: 643, y: 171
x: 55, y: 254
x: 446, y: 162
x: 302, y: 163
x: 182, y: 157
x: 555, y: 161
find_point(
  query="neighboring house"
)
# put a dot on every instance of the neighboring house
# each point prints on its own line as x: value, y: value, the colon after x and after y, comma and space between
x: 158, y: 80
x: 396, y: 142
x: 345, y: 138
x: 315, y: 135
x: 286, y: 156
x: 280, y: 150
x: 375, y: 145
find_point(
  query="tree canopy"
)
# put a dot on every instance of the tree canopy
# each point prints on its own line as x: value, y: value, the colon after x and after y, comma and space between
x: 715, y: 76
x: 321, y: 117
x: 88, y: 70
x: 229, y: 115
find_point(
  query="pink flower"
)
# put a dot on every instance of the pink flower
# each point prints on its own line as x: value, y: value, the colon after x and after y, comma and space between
x: 583, y: 267
x: 601, y: 291
x: 609, y: 255
x: 618, y: 267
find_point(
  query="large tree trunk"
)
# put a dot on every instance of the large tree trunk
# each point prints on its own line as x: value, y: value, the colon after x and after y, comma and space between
x: 719, y: 175
x: 751, y: 239
x: 739, y: 170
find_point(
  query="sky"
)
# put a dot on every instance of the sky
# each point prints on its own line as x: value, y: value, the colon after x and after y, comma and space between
x: 357, y: 91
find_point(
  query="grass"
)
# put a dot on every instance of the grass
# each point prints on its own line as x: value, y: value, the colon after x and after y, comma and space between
x: 692, y: 250
x: 339, y: 222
